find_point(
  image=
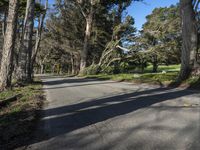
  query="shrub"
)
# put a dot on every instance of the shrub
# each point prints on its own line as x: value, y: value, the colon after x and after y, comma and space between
x: 108, y: 70
x: 91, y: 70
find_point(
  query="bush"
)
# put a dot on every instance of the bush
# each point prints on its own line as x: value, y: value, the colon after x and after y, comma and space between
x: 91, y: 70
x: 108, y: 70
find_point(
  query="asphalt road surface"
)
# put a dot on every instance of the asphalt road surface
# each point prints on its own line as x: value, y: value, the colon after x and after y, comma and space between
x: 91, y: 114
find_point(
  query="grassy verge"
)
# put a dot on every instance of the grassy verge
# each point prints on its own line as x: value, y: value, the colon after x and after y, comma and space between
x: 166, y: 75
x: 19, y: 117
x: 139, y: 78
x: 170, y: 68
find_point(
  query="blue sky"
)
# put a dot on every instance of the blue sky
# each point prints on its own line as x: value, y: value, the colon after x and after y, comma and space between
x: 140, y: 10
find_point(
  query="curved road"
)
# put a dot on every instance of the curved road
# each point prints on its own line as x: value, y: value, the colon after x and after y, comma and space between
x: 90, y: 114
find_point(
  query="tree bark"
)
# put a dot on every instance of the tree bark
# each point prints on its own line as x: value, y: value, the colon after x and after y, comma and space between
x: 38, y: 38
x: 4, y: 23
x: 26, y: 53
x: 77, y: 63
x: 155, y: 64
x: 189, y: 39
x: 88, y: 31
x: 117, y: 20
x: 72, y: 64
x: 9, y: 45
x: 41, y: 68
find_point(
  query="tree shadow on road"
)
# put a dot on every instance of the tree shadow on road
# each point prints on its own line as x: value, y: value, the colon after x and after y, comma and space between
x: 68, y: 80
x: 65, y: 119
x: 74, y: 82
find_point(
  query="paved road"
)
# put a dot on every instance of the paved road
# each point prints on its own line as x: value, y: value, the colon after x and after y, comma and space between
x: 89, y: 114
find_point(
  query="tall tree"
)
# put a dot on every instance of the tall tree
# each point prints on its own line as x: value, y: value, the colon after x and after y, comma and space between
x: 189, y: 39
x: 163, y: 44
x: 9, y: 44
x: 87, y: 10
x: 26, y: 51
x: 41, y: 18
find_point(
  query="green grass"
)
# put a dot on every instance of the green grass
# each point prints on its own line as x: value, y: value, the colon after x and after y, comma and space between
x: 19, y: 114
x: 7, y: 94
x: 152, y: 78
x: 170, y: 68
x: 140, y: 78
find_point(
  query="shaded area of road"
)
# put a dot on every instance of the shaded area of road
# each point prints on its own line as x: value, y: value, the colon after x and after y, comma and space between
x: 92, y: 114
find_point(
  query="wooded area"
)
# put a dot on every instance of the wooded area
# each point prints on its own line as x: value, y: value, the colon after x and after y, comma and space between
x: 95, y: 36
x: 53, y: 54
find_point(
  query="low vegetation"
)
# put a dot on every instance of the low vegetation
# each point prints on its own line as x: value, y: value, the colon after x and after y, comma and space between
x: 18, y: 116
x: 166, y: 75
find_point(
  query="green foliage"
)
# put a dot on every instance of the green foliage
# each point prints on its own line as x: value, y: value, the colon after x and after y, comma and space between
x: 154, y: 78
x: 161, y: 36
x: 108, y: 70
x: 96, y: 69
x: 91, y: 70
x: 3, y: 4
x: 158, y: 77
x: 19, y: 114
x: 161, y: 78
x: 125, y: 29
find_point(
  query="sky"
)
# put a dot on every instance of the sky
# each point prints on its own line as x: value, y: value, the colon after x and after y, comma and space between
x: 140, y: 10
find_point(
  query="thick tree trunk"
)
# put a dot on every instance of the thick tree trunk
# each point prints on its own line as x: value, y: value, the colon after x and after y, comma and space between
x: 189, y: 39
x: 88, y: 31
x: 9, y: 44
x: 25, y: 71
x: 155, y: 64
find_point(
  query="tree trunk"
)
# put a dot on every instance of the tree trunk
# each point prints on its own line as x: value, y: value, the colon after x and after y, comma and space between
x: 72, y: 65
x: 9, y: 45
x: 155, y: 67
x: 88, y: 31
x: 118, y: 21
x: 41, y: 68
x: 38, y: 37
x: 77, y: 63
x: 26, y: 53
x: 4, y: 23
x: 189, y: 39
x: 155, y: 63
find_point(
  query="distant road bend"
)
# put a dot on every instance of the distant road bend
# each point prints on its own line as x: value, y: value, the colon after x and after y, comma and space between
x: 91, y: 114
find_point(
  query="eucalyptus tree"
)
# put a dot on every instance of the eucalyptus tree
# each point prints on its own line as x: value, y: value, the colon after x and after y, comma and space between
x: 3, y: 18
x: 9, y: 45
x: 87, y: 8
x: 24, y: 70
x: 67, y: 30
x: 3, y: 15
x: 189, y: 51
x: 41, y: 18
